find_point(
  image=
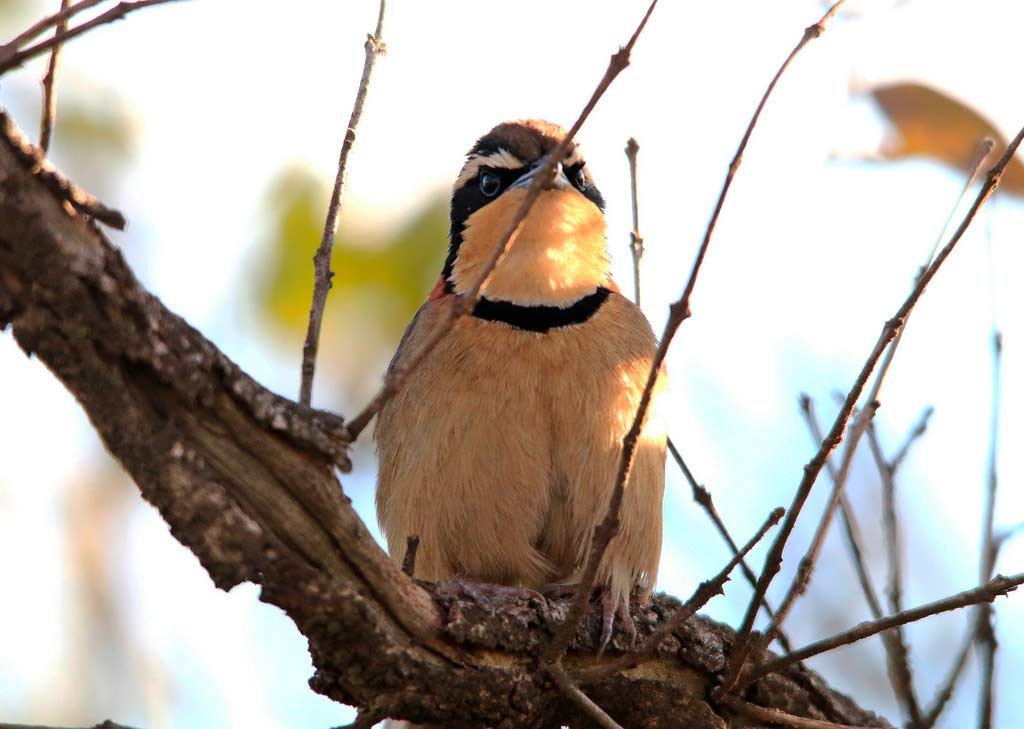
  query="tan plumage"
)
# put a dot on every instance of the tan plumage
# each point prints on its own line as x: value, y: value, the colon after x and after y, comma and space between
x: 500, y: 451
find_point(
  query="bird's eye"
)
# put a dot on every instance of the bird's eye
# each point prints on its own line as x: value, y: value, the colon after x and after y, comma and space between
x: 490, y: 184
x: 578, y: 178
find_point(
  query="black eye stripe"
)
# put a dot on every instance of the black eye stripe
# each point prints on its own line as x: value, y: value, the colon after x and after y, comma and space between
x: 468, y: 198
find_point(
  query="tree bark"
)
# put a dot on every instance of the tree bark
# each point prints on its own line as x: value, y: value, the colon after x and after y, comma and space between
x: 246, y: 480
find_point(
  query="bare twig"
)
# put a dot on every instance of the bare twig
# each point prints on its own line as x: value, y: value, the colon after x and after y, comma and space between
x: 703, y: 497
x: 464, y: 303
x: 805, y: 569
x: 890, y: 330
x: 574, y: 693
x: 12, y: 60
x: 700, y: 494
x: 412, y: 546
x: 896, y: 645
x: 945, y: 693
x: 852, y: 530
x: 40, y: 26
x: 50, y: 87
x: 636, y: 242
x: 985, y: 147
x: 373, y: 47
x: 982, y: 153
x: 779, y: 717
x: 986, y: 634
x: 701, y: 596
x: 893, y: 538
x: 679, y: 311
x: 985, y: 593
x: 912, y: 437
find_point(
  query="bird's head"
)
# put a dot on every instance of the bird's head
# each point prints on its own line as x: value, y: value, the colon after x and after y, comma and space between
x: 559, y: 254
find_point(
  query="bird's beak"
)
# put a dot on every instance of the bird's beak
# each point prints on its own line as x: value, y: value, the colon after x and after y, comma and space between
x: 560, y: 182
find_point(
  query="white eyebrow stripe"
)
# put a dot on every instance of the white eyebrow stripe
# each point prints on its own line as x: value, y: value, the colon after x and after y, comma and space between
x: 502, y: 159
x: 573, y: 158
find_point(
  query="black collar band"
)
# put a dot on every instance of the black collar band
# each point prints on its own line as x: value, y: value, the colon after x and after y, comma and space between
x: 540, y: 318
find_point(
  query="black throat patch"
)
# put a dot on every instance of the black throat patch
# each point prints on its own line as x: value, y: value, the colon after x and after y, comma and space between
x: 541, y: 318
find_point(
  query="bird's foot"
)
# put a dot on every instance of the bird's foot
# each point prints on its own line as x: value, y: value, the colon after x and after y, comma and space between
x: 484, y: 591
x: 611, y: 606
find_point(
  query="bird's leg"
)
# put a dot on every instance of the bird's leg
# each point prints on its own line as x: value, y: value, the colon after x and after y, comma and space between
x: 611, y: 606
x: 608, y: 609
x: 627, y: 621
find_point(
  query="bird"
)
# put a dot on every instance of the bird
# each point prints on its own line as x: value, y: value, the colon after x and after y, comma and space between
x: 501, y: 449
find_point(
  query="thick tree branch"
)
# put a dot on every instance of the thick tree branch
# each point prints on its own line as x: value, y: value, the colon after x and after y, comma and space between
x: 245, y: 479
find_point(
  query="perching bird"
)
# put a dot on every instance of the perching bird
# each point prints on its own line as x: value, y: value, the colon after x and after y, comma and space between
x: 500, y: 452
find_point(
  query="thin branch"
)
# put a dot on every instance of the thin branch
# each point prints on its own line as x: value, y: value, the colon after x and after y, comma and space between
x: 893, y: 537
x: 50, y: 87
x: 984, y: 149
x: 982, y: 153
x: 701, y: 596
x: 779, y: 717
x: 463, y: 304
x: 895, y: 646
x: 703, y: 497
x: 986, y: 634
x: 117, y: 12
x: 678, y: 313
x: 40, y: 26
x: 636, y: 242
x: 985, y: 593
x: 374, y: 47
x: 852, y: 530
x: 900, y: 671
x: 912, y: 437
x: 805, y: 569
x: 700, y: 494
x: 889, y: 332
x: 574, y: 693
x: 945, y: 693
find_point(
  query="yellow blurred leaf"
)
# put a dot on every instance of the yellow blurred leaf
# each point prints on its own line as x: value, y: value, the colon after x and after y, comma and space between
x: 379, y: 279
x: 928, y: 123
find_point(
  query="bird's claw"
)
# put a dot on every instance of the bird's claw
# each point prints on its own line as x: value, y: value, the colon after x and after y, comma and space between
x: 610, y: 606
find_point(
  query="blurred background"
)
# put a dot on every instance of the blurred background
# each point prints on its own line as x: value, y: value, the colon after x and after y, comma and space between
x: 215, y: 127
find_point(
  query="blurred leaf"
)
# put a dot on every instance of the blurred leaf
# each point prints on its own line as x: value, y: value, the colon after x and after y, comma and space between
x: 295, y: 203
x: 107, y: 129
x: 928, y: 123
x: 379, y: 281
x: 14, y: 13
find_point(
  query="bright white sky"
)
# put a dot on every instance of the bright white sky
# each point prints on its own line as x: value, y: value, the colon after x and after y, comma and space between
x: 811, y: 256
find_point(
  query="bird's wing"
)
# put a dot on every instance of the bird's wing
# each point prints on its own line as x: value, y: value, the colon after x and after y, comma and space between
x: 421, y: 322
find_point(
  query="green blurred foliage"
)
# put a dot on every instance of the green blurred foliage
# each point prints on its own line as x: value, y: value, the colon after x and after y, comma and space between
x: 380, y: 277
x: 106, y: 129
